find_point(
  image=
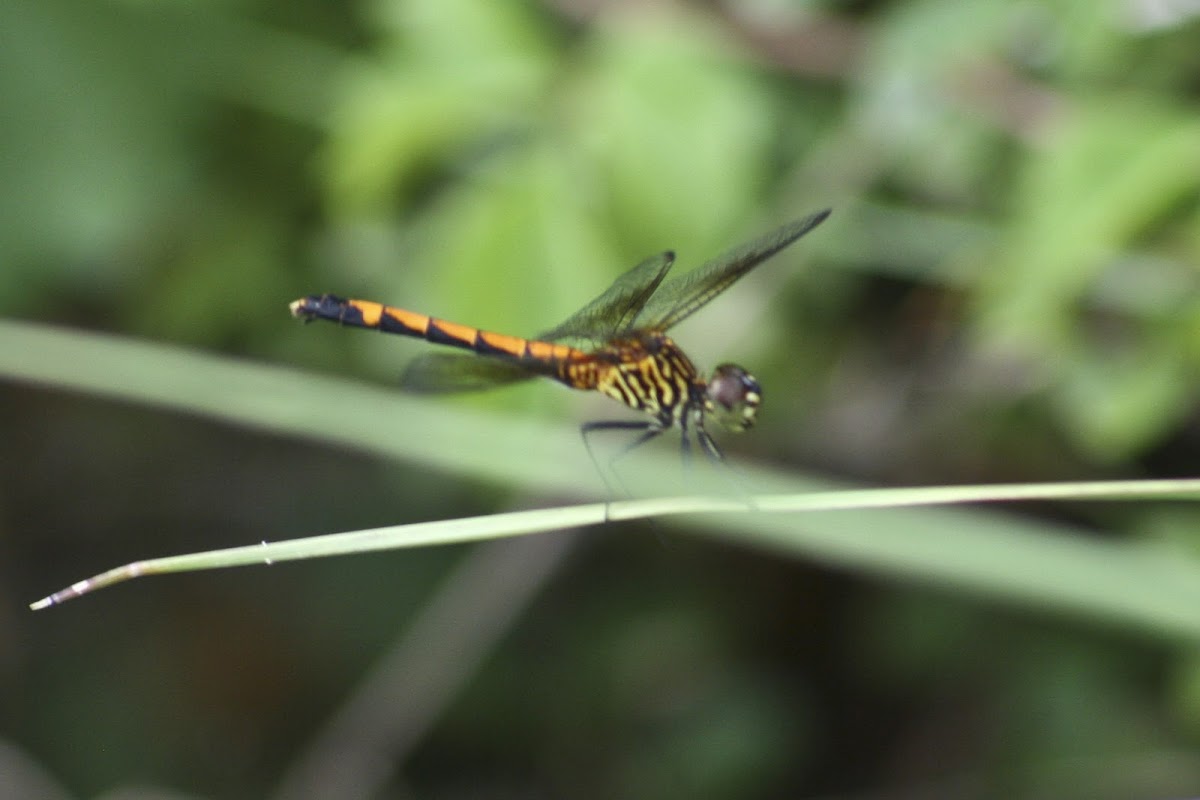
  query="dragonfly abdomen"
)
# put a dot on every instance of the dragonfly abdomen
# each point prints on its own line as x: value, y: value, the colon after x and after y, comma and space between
x: 389, y: 319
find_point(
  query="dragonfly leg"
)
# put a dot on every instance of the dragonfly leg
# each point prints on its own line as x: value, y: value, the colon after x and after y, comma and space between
x: 709, y: 445
x: 648, y: 430
x: 685, y: 445
x: 731, y: 473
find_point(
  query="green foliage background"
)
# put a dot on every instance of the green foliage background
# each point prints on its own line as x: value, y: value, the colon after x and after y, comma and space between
x: 1007, y: 291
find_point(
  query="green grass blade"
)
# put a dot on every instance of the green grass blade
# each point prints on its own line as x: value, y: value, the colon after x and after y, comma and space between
x: 986, y: 552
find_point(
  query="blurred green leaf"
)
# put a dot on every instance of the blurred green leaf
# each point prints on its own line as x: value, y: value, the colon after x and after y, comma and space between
x: 92, y: 137
x: 448, y: 79
x: 1116, y: 402
x: 1109, y: 169
x: 677, y: 131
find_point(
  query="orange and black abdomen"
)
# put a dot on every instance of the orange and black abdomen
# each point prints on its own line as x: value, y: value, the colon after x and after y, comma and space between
x: 376, y: 316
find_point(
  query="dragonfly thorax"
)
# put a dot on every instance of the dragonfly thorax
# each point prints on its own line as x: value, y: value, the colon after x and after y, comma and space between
x: 647, y: 372
x: 732, y: 397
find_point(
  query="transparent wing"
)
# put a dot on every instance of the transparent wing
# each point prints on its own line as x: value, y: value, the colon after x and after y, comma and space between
x: 437, y: 373
x: 615, y: 309
x: 680, y: 297
x: 612, y: 311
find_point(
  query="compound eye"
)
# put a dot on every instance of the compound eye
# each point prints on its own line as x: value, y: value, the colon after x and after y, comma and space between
x: 733, y: 397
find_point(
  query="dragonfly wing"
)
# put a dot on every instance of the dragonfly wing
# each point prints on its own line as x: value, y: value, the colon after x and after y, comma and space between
x: 616, y: 308
x: 682, y: 296
x: 453, y: 372
x: 613, y: 310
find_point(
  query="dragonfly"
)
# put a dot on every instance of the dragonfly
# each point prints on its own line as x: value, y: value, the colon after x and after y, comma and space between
x: 629, y: 358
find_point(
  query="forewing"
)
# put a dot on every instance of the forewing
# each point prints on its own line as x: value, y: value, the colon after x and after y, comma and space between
x: 680, y: 297
x: 438, y: 373
x: 617, y: 307
x: 612, y: 311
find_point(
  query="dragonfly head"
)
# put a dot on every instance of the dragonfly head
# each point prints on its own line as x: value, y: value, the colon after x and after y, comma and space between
x: 732, y: 397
